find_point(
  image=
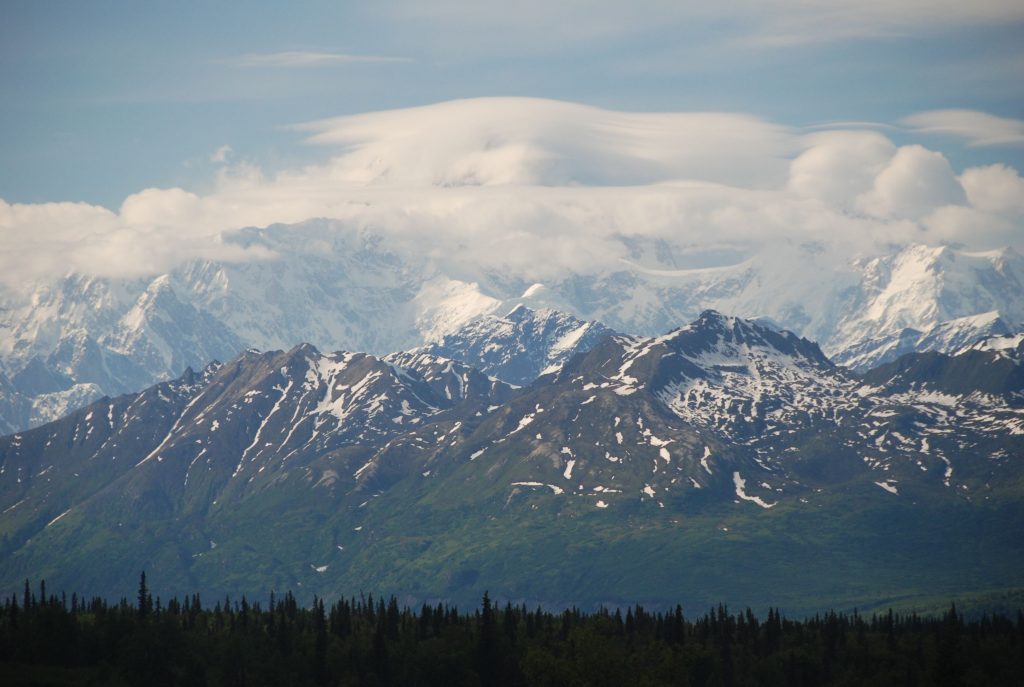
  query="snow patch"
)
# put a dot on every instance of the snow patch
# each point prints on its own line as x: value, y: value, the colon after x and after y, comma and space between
x: 58, y: 517
x: 741, y: 484
x: 568, y: 469
x: 888, y: 486
x: 704, y: 460
x: 556, y: 489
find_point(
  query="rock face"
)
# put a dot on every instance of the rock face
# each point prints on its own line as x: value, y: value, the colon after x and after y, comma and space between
x: 724, y: 459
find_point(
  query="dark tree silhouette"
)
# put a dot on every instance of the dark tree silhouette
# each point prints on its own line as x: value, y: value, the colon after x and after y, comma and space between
x: 374, y: 641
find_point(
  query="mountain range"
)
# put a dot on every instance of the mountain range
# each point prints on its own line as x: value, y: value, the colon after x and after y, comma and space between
x: 67, y: 342
x: 546, y: 459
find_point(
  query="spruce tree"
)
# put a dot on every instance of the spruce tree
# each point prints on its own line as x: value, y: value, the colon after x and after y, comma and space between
x: 144, y: 602
x: 488, y: 642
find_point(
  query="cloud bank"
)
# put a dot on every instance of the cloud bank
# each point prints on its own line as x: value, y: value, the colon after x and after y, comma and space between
x: 541, y: 187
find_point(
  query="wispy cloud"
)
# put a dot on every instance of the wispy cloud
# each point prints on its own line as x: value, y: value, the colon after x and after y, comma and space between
x: 850, y: 124
x: 979, y: 129
x: 804, y: 22
x: 222, y: 154
x: 308, y: 58
x: 543, y: 25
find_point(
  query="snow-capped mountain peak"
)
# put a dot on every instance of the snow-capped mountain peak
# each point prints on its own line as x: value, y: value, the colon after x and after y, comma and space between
x: 343, y: 287
x: 521, y: 345
x: 720, y: 372
x: 728, y: 335
x: 932, y: 298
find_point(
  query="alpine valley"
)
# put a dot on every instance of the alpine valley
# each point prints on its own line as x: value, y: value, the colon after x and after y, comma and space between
x: 523, y: 451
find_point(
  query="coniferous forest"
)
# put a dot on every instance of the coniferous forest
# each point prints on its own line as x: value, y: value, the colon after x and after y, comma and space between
x: 51, y: 639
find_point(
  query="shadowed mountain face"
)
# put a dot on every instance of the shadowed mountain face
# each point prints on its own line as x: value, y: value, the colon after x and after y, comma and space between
x: 725, y: 459
x: 994, y: 366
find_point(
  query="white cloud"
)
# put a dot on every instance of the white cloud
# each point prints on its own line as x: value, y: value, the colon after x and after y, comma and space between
x: 222, y: 154
x: 486, y: 141
x: 975, y: 228
x: 977, y: 128
x: 915, y: 182
x: 995, y: 188
x: 541, y: 187
x: 160, y: 207
x: 840, y: 166
x: 308, y: 58
x: 156, y: 230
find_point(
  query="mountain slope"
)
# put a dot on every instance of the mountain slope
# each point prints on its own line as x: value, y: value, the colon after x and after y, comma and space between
x: 992, y: 367
x: 228, y: 431
x: 725, y: 459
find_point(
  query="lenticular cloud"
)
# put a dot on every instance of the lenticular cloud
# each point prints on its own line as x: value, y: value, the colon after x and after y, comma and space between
x: 530, y: 141
x: 540, y: 187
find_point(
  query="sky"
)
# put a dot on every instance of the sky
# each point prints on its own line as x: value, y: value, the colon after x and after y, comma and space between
x: 127, y: 122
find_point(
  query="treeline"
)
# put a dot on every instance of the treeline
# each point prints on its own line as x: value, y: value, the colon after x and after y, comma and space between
x: 50, y: 639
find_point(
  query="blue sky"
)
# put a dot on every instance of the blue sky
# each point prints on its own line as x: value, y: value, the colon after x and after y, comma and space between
x: 102, y: 99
